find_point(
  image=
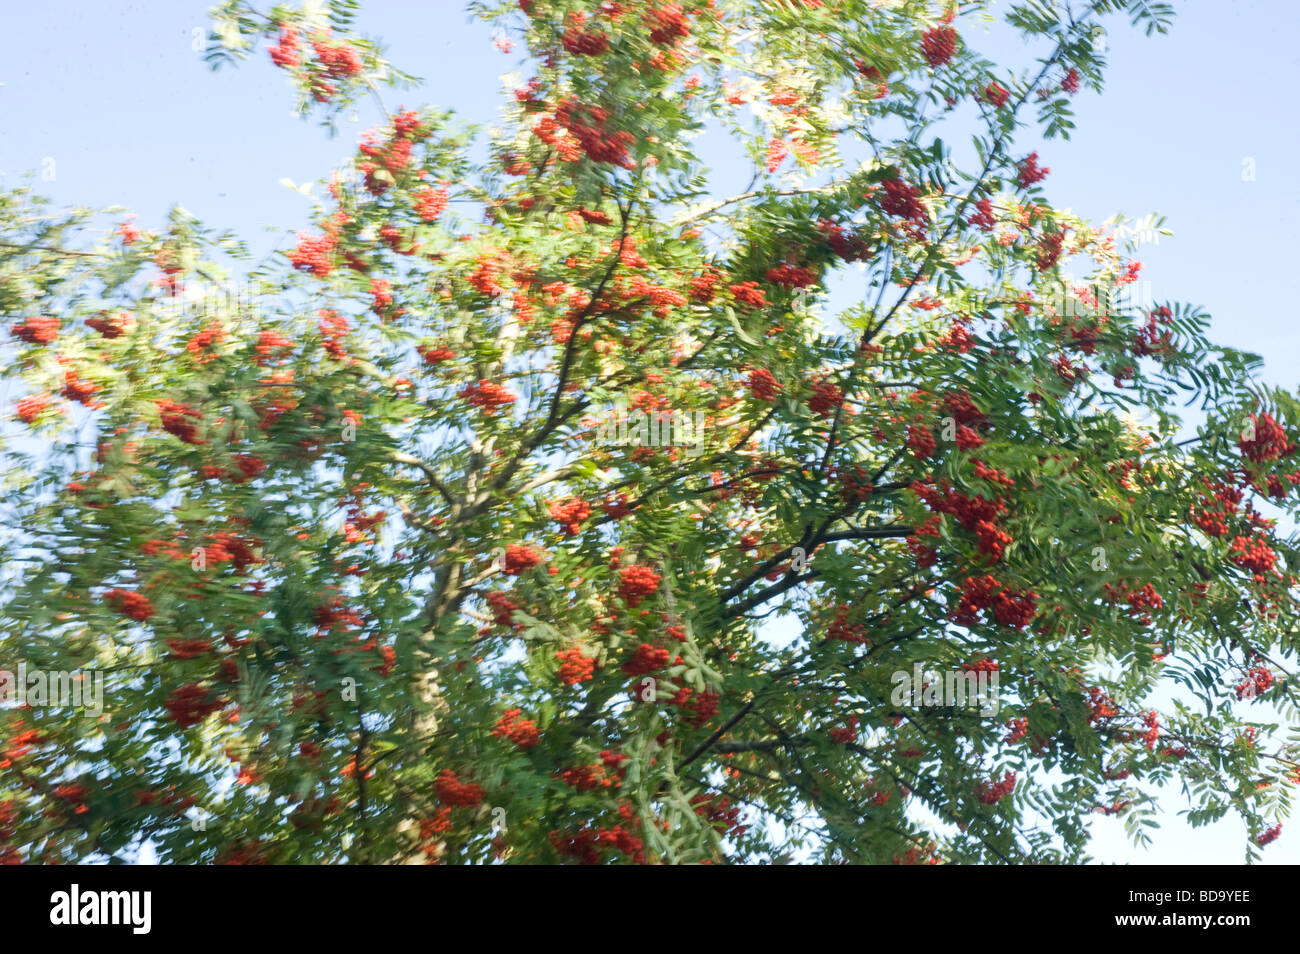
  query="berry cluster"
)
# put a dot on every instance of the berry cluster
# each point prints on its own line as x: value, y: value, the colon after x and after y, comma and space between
x: 1019, y: 729
x: 668, y: 25
x: 579, y: 40
x: 430, y: 202
x: 982, y: 218
x: 921, y: 442
x: 1028, y: 171
x: 1258, y: 681
x: 110, y: 326
x: 636, y: 583
x: 134, y: 605
x: 903, y: 200
x: 487, y: 396
x: 333, y: 613
x: 30, y: 408
x: 646, y: 659
x: 585, y: 778
x: 569, y: 514
x: 969, y: 439
x: 286, y: 53
x: 844, y: 244
x: 1254, y: 554
x: 749, y: 294
x: 844, y: 629
x: 976, y: 514
x: 856, y: 486
x: 1141, y: 599
x: 1269, y: 441
x: 990, y: 793
x: 939, y: 45
x: 270, y: 344
x: 314, y: 254
x: 587, y: 844
x: 226, y: 547
x: 762, y: 385
x: 39, y: 329
x: 503, y: 609
x: 1151, y: 722
x: 575, y: 667
x: 522, y: 732
x: 826, y: 397
x: 180, y: 420
x: 1050, y: 246
x: 703, y: 705
x: 334, y: 330
x: 453, y: 792
x: 718, y: 811
x: 1010, y: 607
x: 520, y: 558
x: 589, y: 126
x: 76, y: 389
x: 848, y: 733
x: 203, y: 346
x: 702, y: 287
x: 1101, y: 708
x: 791, y: 276
x: 191, y: 704
x: 339, y: 60
x: 435, y: 355
x: 997, y: 94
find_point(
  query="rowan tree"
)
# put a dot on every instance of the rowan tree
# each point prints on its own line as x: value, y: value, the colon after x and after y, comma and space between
x: 370, y: 582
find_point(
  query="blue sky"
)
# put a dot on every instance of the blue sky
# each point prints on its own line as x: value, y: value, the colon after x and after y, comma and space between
x: 116, y: 95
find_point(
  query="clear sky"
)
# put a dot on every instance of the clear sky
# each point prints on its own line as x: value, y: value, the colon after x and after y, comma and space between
x: 112, y: 99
